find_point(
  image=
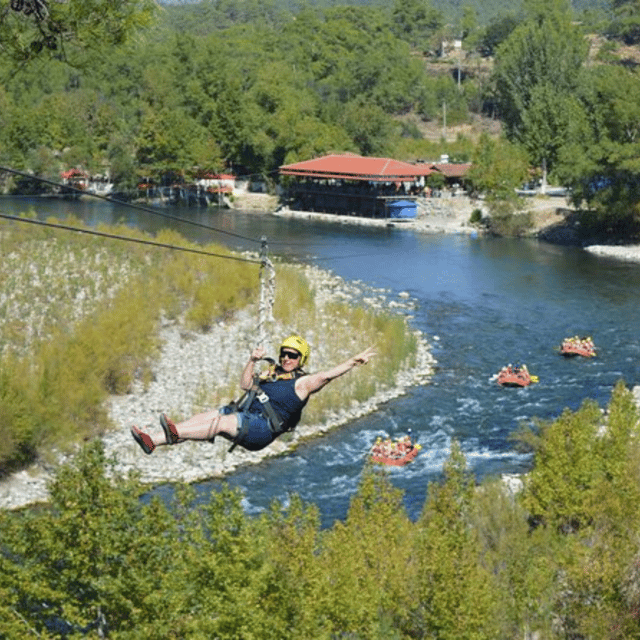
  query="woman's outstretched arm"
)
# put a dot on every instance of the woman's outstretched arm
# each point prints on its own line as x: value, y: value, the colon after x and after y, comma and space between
x: 312, y: 383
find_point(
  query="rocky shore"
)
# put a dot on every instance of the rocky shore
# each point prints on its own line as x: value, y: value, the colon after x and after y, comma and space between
x: 451, y: 215
x: 189, y: 363
x: 628, y: 253
x: 435, y: 215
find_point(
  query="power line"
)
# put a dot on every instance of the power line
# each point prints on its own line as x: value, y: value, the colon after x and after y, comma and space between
x: 114, y: 236
x: 162, y: 214
x: 132, y: 205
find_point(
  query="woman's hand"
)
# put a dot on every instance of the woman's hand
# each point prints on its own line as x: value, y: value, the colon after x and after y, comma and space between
x: 365, y: 356
x: 246, y: 379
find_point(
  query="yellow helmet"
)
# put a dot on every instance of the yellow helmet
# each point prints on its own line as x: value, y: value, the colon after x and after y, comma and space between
x: 300, y: 345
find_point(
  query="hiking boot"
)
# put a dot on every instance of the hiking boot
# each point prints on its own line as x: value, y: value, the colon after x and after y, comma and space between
x: 143, y: 439
x: 169, y: 428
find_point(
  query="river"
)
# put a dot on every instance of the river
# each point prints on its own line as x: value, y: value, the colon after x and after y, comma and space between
x: 482, y: 302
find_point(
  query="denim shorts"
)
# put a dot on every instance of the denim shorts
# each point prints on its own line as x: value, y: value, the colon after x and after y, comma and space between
x: 254, y: 432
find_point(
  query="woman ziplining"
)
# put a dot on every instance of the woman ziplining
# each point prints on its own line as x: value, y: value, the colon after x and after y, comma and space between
x: 271, y: 406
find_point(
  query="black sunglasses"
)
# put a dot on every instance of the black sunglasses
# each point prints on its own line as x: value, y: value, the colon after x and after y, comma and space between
x: 292, y: 355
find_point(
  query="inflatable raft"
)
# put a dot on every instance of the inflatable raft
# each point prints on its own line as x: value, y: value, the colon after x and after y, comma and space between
x: 394, y: 453
x: 576, y: 346
x: 515, y: 377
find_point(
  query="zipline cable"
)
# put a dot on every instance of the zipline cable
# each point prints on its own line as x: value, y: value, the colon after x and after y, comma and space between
x: 131, y: 205
x: 169, y: 216
x: 146, y: 209
x: 113, y: 236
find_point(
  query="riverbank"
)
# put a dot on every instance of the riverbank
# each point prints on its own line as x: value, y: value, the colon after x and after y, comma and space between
x: 448, y: 215
x: 628, y: 253
x: 551, y: 220
x: 190, y: 362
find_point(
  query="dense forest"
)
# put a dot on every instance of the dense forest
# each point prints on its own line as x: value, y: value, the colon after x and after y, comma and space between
x: 452, y: 10
x: 247, y: 86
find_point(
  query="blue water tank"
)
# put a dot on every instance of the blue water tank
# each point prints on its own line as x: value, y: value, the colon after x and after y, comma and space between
x: 402, y: 209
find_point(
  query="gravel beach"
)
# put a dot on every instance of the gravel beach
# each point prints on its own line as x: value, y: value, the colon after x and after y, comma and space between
x: 628, y: 253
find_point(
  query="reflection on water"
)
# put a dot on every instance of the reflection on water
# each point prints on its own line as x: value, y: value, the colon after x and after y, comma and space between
x: 489, y: 301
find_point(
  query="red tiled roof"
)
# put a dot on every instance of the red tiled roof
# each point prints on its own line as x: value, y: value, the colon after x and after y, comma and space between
x: 71, y: 173
x: 215, y: 176
x: 354, y: 167
x: 452, y: 170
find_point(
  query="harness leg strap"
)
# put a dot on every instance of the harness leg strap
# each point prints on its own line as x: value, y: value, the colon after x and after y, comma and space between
x: 242, y: 430
x: 213, y: 429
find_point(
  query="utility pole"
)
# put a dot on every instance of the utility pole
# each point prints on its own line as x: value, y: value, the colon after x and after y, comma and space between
x: 444, y: 120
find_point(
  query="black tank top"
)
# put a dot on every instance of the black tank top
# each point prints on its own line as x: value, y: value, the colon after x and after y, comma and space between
x: 283, y: 399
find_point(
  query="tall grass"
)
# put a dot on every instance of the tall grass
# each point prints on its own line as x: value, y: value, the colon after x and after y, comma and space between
x: 202, y: 287
x: 79, y: 322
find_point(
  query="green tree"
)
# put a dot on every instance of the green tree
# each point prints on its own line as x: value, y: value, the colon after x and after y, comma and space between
x: 169, y: 140
x: 523, y: 561
x: 454, y: 590
x: 416, y: 21
x: 296, y: 570
x: 582, y: 461
x: 95, y: 558
x: 367, y: 562
x: 585, y: 483
x: 496, y: 32
x: 560, y: 490
x: 626, y: 22
x: 602, y: 167
x: 469, y: 26
x: 552, y: 121
x: 547, y: 51
x: 228, y: 571
x: 499, y: 168
x: 369, y: 127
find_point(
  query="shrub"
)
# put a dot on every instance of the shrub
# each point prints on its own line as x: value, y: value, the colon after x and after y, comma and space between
x: 506, y: 220
x: 450, y: 575
x: 476, y: 216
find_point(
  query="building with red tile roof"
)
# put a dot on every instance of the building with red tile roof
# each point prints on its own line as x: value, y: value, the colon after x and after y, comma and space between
x: 349, y: 166
x: 350, y: 184
x: 452, y: 171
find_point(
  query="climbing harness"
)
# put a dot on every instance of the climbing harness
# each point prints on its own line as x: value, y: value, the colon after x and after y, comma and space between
x: 256, y: 392
x: 213, y: 428
x: 272, y: 374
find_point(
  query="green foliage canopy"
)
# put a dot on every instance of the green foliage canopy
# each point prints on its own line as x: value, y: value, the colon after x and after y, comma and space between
x: 102, y: 557
x: 626, y: 22
x: 499, y: 168
x: 251, y: 95
x: 602, y: 165
x: 69, y: 29
x: 536, y: 72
